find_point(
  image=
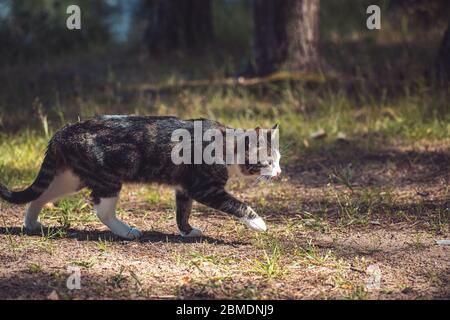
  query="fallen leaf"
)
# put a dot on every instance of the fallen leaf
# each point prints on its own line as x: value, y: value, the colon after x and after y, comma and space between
x: 319, y: 134
x: 341, y: 136
x: 186, y: 279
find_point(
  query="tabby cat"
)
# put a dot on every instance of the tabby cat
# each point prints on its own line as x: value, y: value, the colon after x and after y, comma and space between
x: 103, y: 153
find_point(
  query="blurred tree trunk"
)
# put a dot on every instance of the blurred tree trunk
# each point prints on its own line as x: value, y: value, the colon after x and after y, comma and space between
x: 422, y: 12
x: 286, y: 35
x: 179, y: 24
x: 444, y: 55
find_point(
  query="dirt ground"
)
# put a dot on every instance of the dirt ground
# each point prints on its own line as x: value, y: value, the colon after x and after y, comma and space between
x: 336, y: 231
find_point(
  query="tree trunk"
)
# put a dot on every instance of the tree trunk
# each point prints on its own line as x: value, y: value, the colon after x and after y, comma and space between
x: 179, y: 25
x: 444, y: 55
x: 199, y: 24
x: 286, y: 35
x: 300, y: 45
x: 422, y: 12
x: 266, y: 55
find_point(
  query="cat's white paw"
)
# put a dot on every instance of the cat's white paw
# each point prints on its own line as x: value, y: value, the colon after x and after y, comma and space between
x: 194, y: 233
x: 257, y: 224
x: 33, y: 226
x: 133, y: 234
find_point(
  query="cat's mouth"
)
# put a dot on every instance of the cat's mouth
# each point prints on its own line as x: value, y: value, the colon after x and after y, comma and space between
x: 268, y: 178
x: 263, y: 173
x: 270, y: 173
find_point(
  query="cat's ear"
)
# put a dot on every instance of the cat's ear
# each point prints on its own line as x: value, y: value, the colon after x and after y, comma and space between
x: 275, y: 131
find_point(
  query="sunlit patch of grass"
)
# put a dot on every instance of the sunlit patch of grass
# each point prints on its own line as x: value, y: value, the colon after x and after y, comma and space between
x: 45, y: 242
x: 271, y: 264
x: 50, y: 233
x: 34, y: 267
x: 310, y: 254
x: 104, y: 246
x: 89, y: 263
x: 20, y: 157
x: 201, y: 258
x: 76, y: 209
x: 340, y: 281
x: 206, y: 263
x: 156, y: 196
x: 376, y: 121
x: 12, y: 242
x: 153, y: 197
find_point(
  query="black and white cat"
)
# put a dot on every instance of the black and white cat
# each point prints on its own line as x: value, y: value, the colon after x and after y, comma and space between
x: 103, y: 153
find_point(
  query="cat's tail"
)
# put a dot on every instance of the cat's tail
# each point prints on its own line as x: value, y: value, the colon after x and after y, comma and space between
x: 40, y: 184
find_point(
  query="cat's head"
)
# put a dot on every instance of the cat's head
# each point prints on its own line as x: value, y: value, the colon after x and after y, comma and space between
x: 267, y: 144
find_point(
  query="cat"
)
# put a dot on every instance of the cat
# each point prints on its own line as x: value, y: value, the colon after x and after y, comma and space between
x: 104, y: 152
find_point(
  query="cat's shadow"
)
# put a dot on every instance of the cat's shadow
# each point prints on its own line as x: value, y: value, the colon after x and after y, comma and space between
x: 55, y: 233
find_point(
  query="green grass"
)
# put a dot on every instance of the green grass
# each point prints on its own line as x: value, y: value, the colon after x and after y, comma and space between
x: 20, y: 158
x: 104, y: 246
x: 34, y: 267
x: 85, y: 263
x: 367, y: 127
x: 76, y: 209
x: 119, y: 279
x: 377, y: 83
x: 310, y: 254
x: 12, y: 242
x: 270, y: 265
x: 199, y: 258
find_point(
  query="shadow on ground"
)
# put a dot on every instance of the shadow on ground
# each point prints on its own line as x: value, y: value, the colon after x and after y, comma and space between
x: 368, y: 168
x: 84, y: 235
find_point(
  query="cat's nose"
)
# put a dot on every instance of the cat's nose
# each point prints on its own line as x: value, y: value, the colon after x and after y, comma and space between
x: 277, y: 175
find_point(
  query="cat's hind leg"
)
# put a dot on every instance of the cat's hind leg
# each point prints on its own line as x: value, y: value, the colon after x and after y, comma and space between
x: 183, y: 211
x: 63, y: 184
x: 106, y: 212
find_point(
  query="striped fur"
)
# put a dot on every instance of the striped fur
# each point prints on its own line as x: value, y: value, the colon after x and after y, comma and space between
x: 107, y: 151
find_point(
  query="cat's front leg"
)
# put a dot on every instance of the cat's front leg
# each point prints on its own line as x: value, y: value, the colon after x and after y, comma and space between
x: 184, y: 208
x: 218, y: 198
